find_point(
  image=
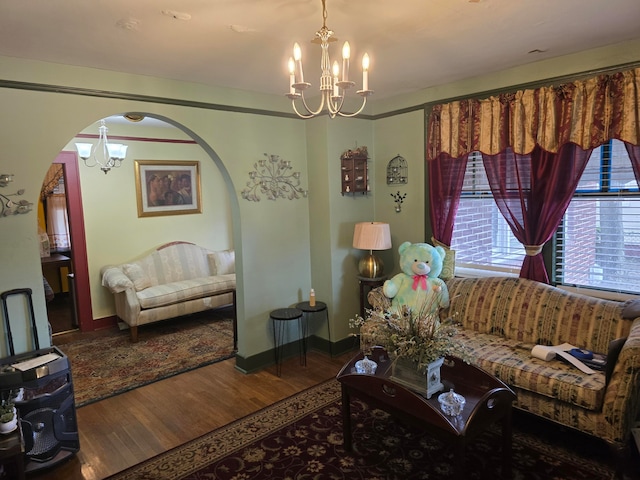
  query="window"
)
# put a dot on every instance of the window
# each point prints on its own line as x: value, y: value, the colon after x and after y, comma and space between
x: 598, y: 241
x: 597, y: 244
x: 481, y: 236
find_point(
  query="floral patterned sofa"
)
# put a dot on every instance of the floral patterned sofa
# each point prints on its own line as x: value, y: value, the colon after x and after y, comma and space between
x: 176, y: 279
x: 503, y: 318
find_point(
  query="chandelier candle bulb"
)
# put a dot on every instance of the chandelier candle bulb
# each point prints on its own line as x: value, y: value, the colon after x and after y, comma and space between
x: 292, y: 75
x: 365, y: 72
x: 297, y: 55
x: 346, y: 53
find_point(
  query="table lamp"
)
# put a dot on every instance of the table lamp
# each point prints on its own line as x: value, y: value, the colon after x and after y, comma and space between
x: 371, y: 236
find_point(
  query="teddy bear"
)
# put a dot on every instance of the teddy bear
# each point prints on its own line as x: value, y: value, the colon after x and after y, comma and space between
x: 418, y: 286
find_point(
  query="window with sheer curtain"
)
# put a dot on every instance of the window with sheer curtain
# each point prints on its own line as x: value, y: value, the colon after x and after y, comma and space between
x: 481, y: 237
x: 520, y: 165
x: 597, y: 244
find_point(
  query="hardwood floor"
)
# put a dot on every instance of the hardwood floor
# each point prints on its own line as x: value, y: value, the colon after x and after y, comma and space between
x: 127, y: 429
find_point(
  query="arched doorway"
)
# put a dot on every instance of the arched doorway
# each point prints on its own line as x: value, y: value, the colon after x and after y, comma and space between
x: 115, y: 233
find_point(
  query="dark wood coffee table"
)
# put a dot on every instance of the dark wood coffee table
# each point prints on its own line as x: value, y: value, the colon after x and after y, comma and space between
x: 488, y: 400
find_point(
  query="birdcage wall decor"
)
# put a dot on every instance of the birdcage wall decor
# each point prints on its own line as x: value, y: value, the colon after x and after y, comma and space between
x: 397, y: 171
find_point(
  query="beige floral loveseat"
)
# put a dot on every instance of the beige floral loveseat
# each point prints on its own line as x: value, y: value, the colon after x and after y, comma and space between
x: 176, y: 279
x: 502, y: 319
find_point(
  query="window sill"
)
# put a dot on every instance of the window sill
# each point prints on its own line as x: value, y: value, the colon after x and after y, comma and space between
x: 467, y: 272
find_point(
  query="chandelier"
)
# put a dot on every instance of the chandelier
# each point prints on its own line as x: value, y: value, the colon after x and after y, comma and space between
x: 333, y: 82
x: 106, y: 155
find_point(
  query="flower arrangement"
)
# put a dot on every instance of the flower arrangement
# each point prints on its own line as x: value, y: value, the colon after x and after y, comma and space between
x: 418, y: 334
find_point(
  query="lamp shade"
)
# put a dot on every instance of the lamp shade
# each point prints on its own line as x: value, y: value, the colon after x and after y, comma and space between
x: 372, y: 236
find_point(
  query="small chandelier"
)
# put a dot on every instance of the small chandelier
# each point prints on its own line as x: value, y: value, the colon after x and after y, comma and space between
x: 106, y: 155
x: 333, y: 85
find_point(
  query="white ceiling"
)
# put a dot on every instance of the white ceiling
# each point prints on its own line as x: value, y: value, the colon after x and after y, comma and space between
x: 245, y: 44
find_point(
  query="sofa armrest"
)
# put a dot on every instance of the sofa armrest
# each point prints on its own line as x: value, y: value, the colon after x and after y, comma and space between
x: 115, y: 280
x: 622, y: 398
x: 128, y: 307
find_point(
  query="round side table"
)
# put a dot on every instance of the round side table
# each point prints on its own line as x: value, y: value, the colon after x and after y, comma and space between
x: 280, y: 318
x: 318, y: 307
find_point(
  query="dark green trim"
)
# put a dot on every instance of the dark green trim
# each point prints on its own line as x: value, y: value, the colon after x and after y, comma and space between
x: 88, y: 92
x: 554, y: 81
x: 401, y: 111
x: 265, y: 359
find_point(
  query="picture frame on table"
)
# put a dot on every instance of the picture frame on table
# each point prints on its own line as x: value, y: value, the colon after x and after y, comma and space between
x: 166, y: 187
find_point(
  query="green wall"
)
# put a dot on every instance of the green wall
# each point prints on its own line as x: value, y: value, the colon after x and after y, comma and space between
x: 283, y: 247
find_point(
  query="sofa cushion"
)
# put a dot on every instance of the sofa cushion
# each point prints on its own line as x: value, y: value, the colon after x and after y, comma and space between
x: 136, y: 274
x: 534, y: 312
x: 511, y: 362
x: 222, y: 262
x: 170, y: 293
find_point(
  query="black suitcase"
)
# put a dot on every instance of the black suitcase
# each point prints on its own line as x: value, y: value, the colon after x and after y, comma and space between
x: 46, y: 403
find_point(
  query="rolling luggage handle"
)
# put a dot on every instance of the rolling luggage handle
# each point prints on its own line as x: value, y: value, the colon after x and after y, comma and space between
x: 19, y: 291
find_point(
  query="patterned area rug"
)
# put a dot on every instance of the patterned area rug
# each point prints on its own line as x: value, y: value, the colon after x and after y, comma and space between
x: 301, y: 438
x: 106, y: 365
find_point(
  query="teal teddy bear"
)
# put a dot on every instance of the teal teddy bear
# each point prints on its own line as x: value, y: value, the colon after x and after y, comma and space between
x: 418, y: 286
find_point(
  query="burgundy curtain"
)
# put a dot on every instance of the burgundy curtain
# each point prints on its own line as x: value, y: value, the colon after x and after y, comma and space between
x: 532, y: 192
x: 634, y: 155
x: 446, y: 177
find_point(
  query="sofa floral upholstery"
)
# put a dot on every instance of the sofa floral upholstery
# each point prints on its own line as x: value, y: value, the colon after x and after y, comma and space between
x: 503, y: 318
x: 176, y: 279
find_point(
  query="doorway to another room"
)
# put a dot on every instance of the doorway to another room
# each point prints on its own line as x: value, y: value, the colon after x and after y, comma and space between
x: 64, y: 270
x: 55, y: 251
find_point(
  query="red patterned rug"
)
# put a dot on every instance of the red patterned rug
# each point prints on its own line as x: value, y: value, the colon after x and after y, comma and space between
x: 104, y: 365
x: 301, y: 438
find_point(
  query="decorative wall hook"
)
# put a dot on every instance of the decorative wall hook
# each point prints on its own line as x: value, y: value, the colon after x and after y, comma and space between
x: 272, y: 177
x: 8, y: 206
x: 398, y: 198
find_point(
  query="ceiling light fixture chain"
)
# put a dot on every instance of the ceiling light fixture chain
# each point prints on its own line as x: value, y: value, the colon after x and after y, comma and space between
x: 104, y: 154
x: 333, y: 86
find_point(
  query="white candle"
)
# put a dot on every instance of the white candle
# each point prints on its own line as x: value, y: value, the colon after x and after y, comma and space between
x: 292, y: 75
x: 346, y: 53
x: 297, y: 55
x: 336, y: 72
x: 365, y: 71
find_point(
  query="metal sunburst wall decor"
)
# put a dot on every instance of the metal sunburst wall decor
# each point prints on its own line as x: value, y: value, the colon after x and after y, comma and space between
x: 273, y: 177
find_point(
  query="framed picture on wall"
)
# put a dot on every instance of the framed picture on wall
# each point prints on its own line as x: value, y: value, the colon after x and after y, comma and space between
x: 167, y: 187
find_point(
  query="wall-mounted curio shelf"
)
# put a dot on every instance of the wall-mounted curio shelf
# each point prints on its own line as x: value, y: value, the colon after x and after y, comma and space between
x: 353, y: 171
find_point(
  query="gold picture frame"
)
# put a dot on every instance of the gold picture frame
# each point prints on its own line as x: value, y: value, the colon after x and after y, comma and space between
x: 166, y: 187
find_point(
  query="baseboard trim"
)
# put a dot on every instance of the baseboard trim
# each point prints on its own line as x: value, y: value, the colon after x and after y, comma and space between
x: 267, y: 358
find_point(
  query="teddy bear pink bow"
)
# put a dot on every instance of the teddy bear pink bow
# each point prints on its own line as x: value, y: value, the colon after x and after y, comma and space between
x: 419, y: 280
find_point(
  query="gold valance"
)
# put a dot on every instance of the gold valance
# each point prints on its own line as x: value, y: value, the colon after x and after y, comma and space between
x: 585, y: 112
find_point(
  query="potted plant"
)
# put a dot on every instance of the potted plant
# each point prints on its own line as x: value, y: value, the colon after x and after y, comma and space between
x: 417, y: 340
x: 8, y: 416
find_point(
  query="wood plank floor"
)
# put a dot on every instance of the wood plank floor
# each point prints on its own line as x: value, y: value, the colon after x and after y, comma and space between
x: 127, y: 429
